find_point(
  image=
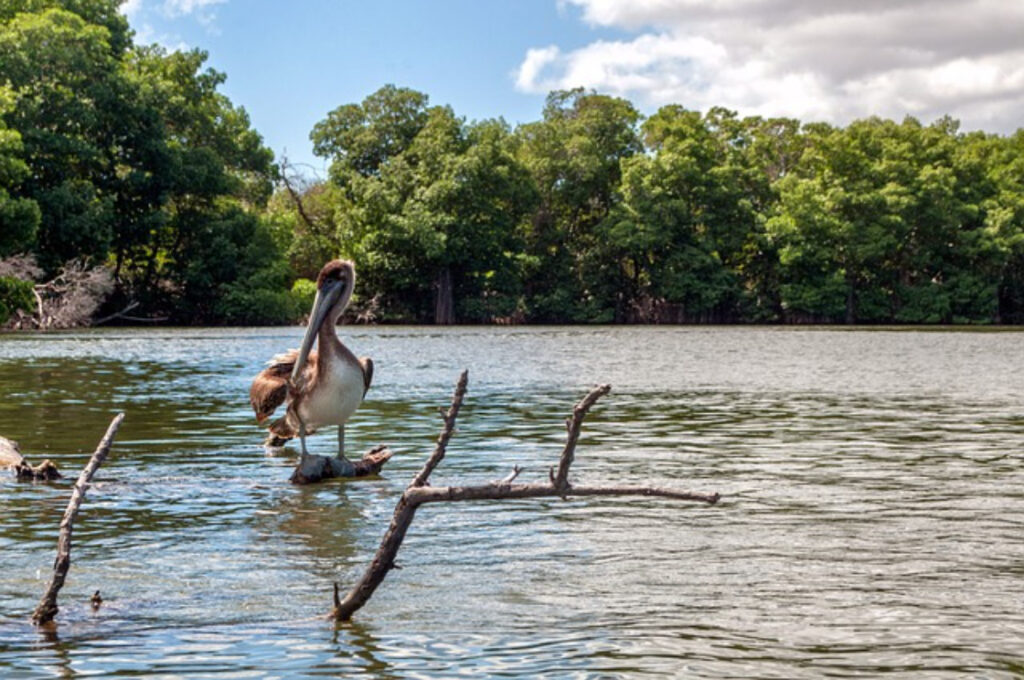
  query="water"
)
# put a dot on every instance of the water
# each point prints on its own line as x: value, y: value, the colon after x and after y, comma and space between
x: 871, y: 520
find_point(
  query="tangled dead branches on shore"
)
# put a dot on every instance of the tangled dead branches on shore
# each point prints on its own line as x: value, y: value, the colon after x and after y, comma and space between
x: 68, y: 300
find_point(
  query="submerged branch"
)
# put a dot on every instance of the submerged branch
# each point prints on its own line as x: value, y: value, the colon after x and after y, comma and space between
x: 314, y: 468
x: 500, y: 491
x: 10, y: 456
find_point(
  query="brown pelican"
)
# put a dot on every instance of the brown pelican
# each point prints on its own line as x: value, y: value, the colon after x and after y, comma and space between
x: 322, y: 388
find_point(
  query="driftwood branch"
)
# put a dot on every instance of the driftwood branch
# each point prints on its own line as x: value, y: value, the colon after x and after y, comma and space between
x: 316, y: 468
x: 446, y: 432
x: 417, y: 494
x: 511, y: 476
x: 47, y: 608
x: 10, y: 456
x: 573, y: 425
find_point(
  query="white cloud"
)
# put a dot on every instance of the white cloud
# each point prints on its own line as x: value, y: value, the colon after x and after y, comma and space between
x: 176, y: 8
x: 131, y: 8
x: 832, y: 59
x: 201, y: 10
x: 145, y: 14
x: 145, y: 34
x: 534, y: 62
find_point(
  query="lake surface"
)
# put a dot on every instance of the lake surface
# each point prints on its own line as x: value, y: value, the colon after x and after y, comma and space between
x: 872, y: 519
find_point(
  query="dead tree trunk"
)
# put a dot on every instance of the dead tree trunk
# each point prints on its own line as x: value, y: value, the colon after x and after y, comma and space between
x: 444, y: 302
x: 419, y: 492
x: 47, y: 608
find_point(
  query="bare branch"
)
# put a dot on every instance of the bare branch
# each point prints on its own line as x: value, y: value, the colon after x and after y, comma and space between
x: 405, y: 511
x: 579, y: 412
x: 116, y: 315
x: 511, y: 477
x: 446, y: 433
x: 416, y: 494
x: 500, y: 491
x: 296, y: 197
x: 21, y: 266
x: 71, y: 298
x: 41, y: 320
x: 383, y: 561
x: 47, y: 608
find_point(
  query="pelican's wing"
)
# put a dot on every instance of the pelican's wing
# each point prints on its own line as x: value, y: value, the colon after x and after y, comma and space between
x: 367, y: 365
x: 270, y: 388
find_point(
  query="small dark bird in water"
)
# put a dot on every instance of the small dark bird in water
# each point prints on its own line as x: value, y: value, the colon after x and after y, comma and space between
x: 321, y: 388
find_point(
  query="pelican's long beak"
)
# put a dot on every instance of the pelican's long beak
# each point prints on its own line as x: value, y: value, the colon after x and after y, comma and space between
x: 325, y: 299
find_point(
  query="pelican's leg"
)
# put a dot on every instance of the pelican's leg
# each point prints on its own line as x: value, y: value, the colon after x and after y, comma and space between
x: 348, y: 469
x: 310, y: 468
x: 302, y: 434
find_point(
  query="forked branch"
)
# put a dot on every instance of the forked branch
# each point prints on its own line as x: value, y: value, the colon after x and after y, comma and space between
x: 418, y: 493
x: 47, y: 608
x: 446, y: 432
x: 573, y: 425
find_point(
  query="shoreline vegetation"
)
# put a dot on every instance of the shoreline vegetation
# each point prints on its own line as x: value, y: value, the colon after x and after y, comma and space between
x: 133, y: 191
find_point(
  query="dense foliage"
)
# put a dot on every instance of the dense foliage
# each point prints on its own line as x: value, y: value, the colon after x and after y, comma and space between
x: 131, y: 157
x: 593, y: 214
x: 15, y: 294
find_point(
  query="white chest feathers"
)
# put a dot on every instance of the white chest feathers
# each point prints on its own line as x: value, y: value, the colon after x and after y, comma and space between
x: 337, y: 394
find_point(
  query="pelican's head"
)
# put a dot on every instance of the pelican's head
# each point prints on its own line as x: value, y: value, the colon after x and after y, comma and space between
x: 335, y: 282
x: 334, y: 286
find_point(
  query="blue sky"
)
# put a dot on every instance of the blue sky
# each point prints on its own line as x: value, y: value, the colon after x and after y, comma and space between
x: 290, y: 63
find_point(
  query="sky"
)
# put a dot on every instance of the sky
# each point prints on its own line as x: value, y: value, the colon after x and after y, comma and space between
x: 289, y: 64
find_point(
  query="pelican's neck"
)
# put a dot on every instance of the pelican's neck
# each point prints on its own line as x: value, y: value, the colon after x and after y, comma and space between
x: 331, y: 346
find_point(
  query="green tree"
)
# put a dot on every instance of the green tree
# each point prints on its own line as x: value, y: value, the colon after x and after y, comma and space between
x: 690, y: 223
x: 998, y: 246
x: 869, y: 227
x: 198, y: 164
x: 428, y: 206
x: 574, y: 155
x: 63, y: 71
x: 19, y: 217
x: 362, y: 138
x: 133, y: 155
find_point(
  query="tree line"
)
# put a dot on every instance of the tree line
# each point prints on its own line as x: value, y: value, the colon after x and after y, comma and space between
x: 131, y: 157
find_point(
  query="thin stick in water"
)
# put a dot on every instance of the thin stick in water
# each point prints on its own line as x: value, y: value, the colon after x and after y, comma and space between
x: 47, y: 608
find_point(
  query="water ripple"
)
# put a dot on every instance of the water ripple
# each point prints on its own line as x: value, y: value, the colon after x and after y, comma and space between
x: 870, y: 524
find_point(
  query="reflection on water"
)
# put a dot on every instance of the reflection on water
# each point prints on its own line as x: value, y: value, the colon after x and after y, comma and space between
x: 871, y: 520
